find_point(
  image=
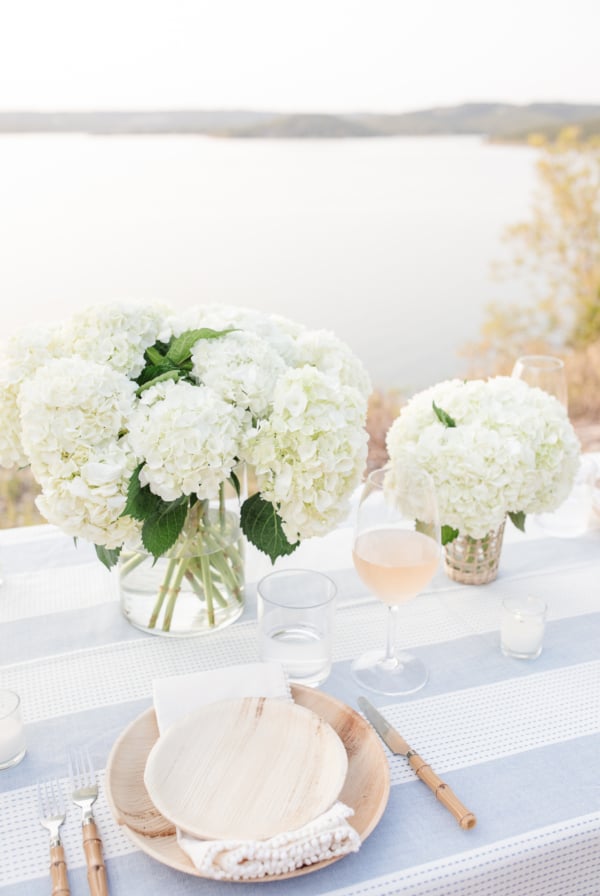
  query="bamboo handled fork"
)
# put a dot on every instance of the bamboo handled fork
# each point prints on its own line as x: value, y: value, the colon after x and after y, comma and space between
x: 52, y: 813
x: 84, y: 795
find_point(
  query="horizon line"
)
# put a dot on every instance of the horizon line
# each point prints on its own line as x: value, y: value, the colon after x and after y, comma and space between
x: 51, y: 110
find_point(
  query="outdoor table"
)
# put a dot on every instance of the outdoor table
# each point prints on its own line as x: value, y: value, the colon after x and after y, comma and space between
x: 518, y: 741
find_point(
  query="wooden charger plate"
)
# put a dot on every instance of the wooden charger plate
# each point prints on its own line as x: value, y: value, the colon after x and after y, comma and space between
x: 366, y: 788
x: 246, y: 769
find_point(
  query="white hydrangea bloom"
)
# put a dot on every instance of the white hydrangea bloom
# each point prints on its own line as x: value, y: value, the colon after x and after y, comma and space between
x: 188, y: 437
x: 279, y: 332
x: 68, y: 408
x: 11, y: 449
x: 513, y: 449
x: 24, y: 352
x: 29, y: 349
x: 116, y: 334
x: 73, y: 413
x: 240, y: 368
x: 268, y: 391
x: 330, y: 355
x: 309, y: 455
x: 89, y: 504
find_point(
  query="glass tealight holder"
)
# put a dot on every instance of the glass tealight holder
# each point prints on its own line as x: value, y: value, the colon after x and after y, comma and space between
x: 12, y: 734
x: 522, y: 627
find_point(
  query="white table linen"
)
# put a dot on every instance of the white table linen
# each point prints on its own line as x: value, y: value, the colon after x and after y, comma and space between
x: 518, y: 741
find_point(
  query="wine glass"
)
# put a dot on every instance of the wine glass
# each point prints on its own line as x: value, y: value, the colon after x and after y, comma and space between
x: 396, y: 551
x: 545, y: 372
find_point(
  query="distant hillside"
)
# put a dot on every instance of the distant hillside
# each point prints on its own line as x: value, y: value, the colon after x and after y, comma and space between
x: 165, y: 121
x: 489, y: 119
x: 300, y: 126
x: 502, y: 121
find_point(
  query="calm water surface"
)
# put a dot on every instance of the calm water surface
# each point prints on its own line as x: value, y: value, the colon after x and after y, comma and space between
x: 388, y: 242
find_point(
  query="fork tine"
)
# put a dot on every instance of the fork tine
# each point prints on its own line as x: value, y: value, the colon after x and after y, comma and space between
x: 40, y: 802
x: 75, y: 768
x: 70, y: 767
x: 50, y: 797
x: 81, y: 768
x: 87, y: 759
x: 57, y: 795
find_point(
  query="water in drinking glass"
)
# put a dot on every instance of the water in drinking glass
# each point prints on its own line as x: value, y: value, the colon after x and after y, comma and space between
x: 295, y: 623
x: 303, y: 651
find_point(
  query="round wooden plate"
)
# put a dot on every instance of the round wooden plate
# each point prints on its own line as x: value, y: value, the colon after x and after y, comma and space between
x: 366, y: 788
x: 246, y: 769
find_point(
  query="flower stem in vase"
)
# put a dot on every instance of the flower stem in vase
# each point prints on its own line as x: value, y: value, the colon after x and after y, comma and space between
x: 208, y: 589
x: 195, y: 586
x: 230, y: 579
x: 131, y: 563
x: 196, y: 566
x: 237, y: 565
x: 162, y: 593
x: 222, y: 509
x: 182, y: 564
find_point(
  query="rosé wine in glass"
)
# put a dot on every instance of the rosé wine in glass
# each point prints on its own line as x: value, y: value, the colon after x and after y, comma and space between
x: 396, y: 551
x: 394, y: 563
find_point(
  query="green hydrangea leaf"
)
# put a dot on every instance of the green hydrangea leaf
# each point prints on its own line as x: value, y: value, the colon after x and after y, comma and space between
x: 262, y: 526
x: 181, y: 347
x: 141, y: 502
x: 235, y: 483
x: 162, y: 529
x: 108, y: 556
x: 518, y: 519
x: 443, y: 417
x: 154, y: 355
x: 173, y: 374
x: 449, y: 534
x: 151, y: 371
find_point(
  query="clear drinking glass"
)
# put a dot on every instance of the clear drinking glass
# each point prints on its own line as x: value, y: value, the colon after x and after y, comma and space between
x: 396, y: 553
x: 295, y: 623
x: 545, y: 372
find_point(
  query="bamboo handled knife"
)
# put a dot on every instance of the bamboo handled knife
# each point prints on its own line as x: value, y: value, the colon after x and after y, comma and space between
x: 396, y: 743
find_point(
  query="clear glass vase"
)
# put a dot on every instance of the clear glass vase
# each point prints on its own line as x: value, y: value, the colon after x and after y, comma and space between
x: 198, y: 586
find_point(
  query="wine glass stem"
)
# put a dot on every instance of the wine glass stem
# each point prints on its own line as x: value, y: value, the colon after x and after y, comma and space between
x: 392, y: 632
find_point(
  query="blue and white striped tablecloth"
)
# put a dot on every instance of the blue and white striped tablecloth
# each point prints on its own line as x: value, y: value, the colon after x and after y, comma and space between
x: 519, y: 742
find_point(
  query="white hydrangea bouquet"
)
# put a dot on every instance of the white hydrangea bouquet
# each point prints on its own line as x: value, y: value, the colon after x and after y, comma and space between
x: 134, y: 418
x: 493, y: 447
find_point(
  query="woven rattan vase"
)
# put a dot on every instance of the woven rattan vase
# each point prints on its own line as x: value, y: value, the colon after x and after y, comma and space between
x: 474, y: 561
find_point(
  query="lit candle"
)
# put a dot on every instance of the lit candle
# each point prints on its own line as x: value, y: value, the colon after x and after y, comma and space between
x: 12, y: 735
x: 522, y: 628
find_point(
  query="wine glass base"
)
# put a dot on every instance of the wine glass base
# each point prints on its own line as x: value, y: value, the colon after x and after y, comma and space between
x: 401, y: 675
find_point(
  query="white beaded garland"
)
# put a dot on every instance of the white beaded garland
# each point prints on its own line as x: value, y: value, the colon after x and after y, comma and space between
x: 325, y: 837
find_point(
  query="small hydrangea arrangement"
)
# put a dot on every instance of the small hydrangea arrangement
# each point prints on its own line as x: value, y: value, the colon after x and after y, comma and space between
x: 493, y: 447
x: 133, y: 418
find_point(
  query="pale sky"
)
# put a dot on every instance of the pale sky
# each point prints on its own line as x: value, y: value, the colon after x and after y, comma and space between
x: 334, y: 55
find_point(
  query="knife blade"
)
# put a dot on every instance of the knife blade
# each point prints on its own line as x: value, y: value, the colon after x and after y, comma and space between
x: 396, y: 743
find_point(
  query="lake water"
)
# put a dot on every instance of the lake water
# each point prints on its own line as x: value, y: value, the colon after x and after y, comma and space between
x: 388, y: 242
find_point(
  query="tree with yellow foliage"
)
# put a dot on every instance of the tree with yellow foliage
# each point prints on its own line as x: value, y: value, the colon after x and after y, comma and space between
x: 558, y: 249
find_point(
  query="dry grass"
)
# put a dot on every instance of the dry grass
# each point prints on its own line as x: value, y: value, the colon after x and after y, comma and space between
x: 383, y: 409
x: 18, y: 491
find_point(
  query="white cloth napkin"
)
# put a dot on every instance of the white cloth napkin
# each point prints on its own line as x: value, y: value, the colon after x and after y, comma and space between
x: 328, y: 836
